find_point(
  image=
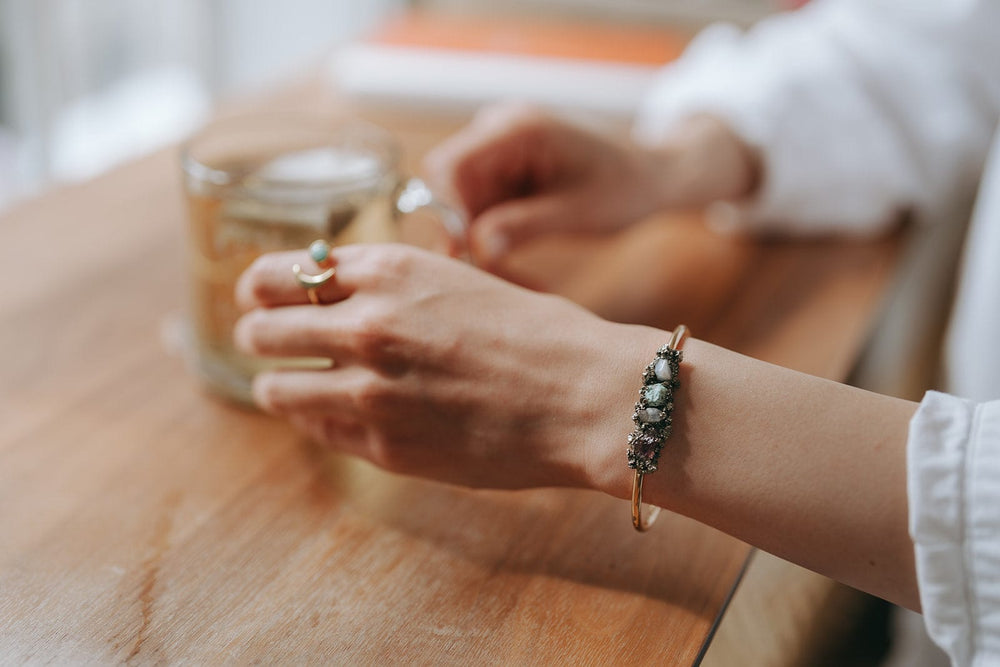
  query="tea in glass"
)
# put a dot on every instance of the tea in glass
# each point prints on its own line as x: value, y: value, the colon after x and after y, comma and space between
x: 265, y: 183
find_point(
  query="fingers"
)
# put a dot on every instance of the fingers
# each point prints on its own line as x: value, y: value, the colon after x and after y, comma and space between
x: 491, y: 159
x: 270, y: 281
x: 351, y: 331
x: 339, y: 393
x: 505, y: 226
x: 336, y: 407
x: 379, y: 278
x: 295, y: 331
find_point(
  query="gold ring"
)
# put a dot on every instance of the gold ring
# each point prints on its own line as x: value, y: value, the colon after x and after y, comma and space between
x: 320, y: 252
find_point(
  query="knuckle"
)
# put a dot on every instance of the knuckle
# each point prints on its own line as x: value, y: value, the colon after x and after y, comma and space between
x: 453, y: 349
x: 371, y: 346
x: 371, y: 397
x: 372, y: 337
x: 392, y: 261
x: 387, y: 267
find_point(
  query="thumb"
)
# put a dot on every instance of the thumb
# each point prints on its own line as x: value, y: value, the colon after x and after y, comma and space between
x: 503, y: 227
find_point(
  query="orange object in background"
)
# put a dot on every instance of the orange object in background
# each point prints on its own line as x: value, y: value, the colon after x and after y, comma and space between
x: 542, y: 38
x: 457, y: 63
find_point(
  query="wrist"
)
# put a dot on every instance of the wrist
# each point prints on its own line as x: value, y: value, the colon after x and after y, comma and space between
x: 702, y: 161
x: 607, y: 464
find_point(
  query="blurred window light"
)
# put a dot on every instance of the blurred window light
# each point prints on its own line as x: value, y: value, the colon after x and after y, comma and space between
x: 88, y: 84
x: 127, y: 118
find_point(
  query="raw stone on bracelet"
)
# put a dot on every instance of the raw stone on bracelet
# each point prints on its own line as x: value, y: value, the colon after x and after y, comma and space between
x: 653, y: 412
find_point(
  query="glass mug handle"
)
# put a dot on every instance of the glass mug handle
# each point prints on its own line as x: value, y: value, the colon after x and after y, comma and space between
x: 414, y: 195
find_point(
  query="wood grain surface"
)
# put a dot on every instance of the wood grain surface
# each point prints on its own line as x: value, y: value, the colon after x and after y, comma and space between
x: 144, y: 521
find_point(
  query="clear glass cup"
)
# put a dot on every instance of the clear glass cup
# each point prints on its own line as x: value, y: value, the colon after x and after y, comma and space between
x: 256, y: 184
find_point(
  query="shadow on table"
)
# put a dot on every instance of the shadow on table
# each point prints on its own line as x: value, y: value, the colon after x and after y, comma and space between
x: 572, y: 535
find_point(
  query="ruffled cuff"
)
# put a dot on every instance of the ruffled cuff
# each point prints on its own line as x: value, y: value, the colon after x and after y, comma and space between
x: 953, y: 456
x: 769, y: 87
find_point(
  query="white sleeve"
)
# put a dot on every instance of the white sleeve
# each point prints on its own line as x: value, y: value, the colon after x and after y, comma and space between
x: 861, y: 108
x: 953, y: 459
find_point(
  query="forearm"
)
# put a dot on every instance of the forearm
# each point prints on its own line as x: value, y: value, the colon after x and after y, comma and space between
x: 810, y: 470
x: 703, y: 160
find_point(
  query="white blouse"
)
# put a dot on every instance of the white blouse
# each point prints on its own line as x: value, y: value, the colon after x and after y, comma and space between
x: 863, y: 109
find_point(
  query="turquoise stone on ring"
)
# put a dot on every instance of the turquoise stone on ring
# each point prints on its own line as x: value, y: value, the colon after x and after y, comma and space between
x: 656, y: 395
x: 319, y: 251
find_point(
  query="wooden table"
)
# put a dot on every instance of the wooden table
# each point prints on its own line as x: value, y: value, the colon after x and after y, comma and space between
x: 142, y: 520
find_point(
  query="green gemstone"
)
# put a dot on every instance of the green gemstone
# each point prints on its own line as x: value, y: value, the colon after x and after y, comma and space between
x: 319, y: 251
x: 656, y: 394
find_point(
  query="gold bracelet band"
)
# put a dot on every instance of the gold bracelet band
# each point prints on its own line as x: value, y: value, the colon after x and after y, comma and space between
x: 653, y: 421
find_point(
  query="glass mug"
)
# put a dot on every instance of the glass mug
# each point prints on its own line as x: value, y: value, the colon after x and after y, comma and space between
x: 256, y: 184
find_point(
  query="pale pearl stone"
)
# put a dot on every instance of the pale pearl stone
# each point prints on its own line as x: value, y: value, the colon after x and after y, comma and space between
x: 662, y: 370
x: 651, y: 416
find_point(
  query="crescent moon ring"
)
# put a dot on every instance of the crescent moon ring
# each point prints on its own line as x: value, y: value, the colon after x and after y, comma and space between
x: 310, y: 283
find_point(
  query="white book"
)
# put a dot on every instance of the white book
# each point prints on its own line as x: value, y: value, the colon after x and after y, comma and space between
x: 475, y: 62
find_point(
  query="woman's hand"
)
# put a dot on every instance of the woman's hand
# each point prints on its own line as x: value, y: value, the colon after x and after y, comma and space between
x: 520, y: 173
x: 446, y: 372
x: 443, y: 371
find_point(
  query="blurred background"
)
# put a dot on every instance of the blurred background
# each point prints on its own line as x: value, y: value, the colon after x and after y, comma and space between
x: 88, y: 84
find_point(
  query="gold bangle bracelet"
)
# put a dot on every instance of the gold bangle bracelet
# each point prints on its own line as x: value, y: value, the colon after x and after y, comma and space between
x: 653, y: 421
